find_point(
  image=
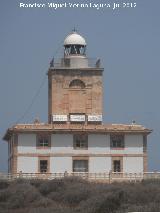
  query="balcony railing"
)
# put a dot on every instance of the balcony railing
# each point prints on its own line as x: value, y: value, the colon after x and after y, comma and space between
x: 65, y: 62
x: 108, y: 177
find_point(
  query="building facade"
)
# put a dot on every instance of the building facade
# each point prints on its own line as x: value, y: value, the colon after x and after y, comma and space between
x: 75, y: 138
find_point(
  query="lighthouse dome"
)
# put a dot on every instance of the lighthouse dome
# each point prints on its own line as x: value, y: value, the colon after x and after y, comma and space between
x: 74, y: 39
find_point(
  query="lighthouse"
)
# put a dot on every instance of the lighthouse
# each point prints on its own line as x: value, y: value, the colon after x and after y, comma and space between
x: 75, y: 85
x: 75, y: 140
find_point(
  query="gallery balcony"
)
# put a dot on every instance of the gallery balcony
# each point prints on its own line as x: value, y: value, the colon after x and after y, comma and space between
x: 75, y: 62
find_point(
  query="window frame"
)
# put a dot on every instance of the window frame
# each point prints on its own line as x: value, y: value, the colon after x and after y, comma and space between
x: 46, y: 171
x: 85, y: 169
x: 117, y: 141
x: 115, y: 166
x: 42, y: 158
x: 43, y: 144
x: 83, y: 139
x: 77, y: 84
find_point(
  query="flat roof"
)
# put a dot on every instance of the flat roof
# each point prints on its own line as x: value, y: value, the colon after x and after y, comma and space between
x: 69, y: 128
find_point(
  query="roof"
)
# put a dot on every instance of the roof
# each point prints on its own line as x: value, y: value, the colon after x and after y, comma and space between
x: 69, y: 128
x: 74, y: 38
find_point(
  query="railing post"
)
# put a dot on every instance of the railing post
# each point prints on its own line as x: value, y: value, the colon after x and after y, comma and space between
x: 65, y: 174
x: 110, y: 176
x: 20, y: 174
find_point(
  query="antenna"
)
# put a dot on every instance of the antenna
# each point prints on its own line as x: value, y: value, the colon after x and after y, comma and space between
x: 74, y: 30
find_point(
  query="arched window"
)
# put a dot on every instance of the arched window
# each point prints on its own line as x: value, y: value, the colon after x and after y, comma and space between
x: 77, y: 84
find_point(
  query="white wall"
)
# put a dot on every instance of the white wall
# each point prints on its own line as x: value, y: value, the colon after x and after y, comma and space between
x: 99, y: 164
x: 132, y: 164
x: 62, y: 143
x: 96, y: 164
x: 60, y: 164
x: 134, y: 144
x: 27, y: 164
x: 26, y: 143
x: 98, y: 143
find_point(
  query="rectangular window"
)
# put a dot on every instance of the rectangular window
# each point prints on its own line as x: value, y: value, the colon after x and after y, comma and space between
x: 80, y: 141
x: 80, y: 165
x: 117, y: 141
x: 116, y: 166
x: 43, y: 141
x: 43, y: 166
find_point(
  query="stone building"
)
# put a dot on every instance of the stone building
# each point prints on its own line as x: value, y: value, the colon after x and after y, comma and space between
x: 75, y: 138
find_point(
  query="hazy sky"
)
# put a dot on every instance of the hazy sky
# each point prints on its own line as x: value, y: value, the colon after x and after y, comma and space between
x: 126, y: 39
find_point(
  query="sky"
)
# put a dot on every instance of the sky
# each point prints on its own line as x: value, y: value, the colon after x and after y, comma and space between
x: 127, y: 40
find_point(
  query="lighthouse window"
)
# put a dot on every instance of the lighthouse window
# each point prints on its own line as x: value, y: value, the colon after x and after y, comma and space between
x: 75, y: 49
x: 117, y: 141
x: 43, y: 141
x: 80, y: 141
x: 43, y: 166
x: 116, y: 166
x: 76, y: 83
x: 80, y: 165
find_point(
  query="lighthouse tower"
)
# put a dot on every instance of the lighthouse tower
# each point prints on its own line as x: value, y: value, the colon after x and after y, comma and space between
x: 75, y: 85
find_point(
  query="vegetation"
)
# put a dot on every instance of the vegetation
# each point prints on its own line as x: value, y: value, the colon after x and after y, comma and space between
x: 75, y: 195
